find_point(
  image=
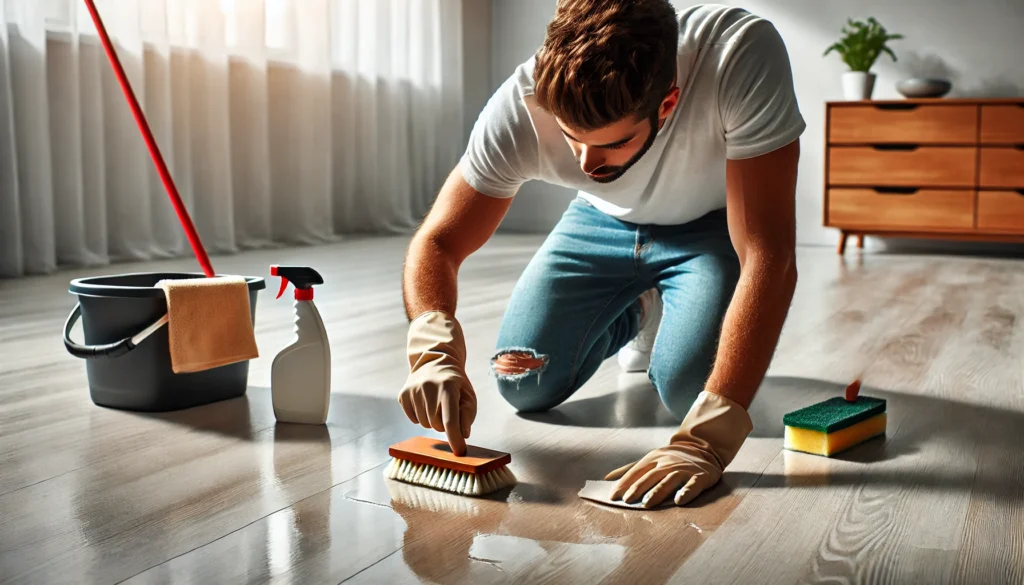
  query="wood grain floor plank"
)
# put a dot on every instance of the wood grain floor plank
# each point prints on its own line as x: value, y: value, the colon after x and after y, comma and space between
x: 850, y: 531
x: 902, y: 507
x: 973, y: 362
x: 992, y: 545
x: 221, y: 494
x: 869, y: 542
x: 29, y: 458
x: 764, y: 525
x: 543, y: 508
x: 992, y: 549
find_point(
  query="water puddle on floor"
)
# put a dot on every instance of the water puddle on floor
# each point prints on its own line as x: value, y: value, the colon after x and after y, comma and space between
x: 532, y: 561
x: 531, y: 533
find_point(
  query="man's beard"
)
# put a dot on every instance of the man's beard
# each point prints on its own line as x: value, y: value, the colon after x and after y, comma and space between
x: 614, y: 173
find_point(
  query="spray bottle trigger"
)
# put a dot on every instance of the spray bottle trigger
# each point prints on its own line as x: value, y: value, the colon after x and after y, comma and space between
x: 303, y: 278
x: 284, y: 281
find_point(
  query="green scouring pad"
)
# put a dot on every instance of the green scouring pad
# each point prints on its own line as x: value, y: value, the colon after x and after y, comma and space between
x: 834, y: 425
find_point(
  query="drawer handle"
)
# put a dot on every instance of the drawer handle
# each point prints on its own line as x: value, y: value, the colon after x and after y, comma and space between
x: 1020, y: 192
x: 896, y: 106
x: 896, y: 147
x: 1018, y: 146
x: 896, y: 190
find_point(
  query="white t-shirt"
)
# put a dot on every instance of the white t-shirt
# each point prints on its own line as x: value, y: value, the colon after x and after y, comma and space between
x: 737, y: 101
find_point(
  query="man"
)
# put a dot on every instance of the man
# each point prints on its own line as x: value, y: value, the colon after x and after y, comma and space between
x: 681, y: 133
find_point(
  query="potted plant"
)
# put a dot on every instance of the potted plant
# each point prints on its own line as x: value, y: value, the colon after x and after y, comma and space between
x: 860, y: 46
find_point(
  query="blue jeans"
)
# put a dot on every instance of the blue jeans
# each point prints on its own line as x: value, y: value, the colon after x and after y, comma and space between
x: 575, y: 305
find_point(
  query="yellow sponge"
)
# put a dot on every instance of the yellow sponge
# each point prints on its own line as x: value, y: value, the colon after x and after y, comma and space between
x: 827, y: 444
x: 832, y: 426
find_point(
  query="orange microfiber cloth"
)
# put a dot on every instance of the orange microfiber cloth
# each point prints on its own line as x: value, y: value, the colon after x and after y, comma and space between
x: 209, y: 322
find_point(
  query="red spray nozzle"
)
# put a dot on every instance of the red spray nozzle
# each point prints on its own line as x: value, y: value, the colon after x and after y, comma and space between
x: 302, y: 277
x: 284, y: 281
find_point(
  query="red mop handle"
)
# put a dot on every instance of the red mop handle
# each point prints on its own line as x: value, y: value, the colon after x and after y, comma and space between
x: 154, y: 150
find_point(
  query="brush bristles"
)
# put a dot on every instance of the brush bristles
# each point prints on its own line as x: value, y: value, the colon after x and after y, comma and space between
x: 456, y: 482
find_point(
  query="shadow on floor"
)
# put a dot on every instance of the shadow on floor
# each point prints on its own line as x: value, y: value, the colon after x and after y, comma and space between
x: 635, y: 406
x: 916, y: 423
x: 639, y: 406
x: 994, y: 250
x: 929, y: 428
x: 919, y: 426
x: 253, y: 414
x: 232, y: 417
x: 993, y: 488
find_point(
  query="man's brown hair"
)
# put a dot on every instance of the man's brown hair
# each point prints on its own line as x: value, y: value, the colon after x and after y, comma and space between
x: 604, y: 60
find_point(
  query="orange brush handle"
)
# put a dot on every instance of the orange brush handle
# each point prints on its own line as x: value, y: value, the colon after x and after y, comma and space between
x: 427, y: 451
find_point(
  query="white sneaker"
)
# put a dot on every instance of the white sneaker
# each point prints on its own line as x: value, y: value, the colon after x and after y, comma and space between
x: 636, y: 355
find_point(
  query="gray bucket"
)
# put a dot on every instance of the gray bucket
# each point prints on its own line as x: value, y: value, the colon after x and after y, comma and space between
x: 126, y: 351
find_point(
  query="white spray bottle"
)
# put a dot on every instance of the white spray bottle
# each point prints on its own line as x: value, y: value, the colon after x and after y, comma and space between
x: 300, y: 377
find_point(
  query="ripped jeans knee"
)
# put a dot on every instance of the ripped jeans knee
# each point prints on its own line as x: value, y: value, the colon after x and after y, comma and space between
x: 520, y: 373
x: 517, y: 363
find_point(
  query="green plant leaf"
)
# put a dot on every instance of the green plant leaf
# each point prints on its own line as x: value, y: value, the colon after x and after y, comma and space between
x: 862, y: 42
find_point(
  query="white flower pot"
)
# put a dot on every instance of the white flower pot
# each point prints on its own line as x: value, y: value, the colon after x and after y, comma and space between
x: 858, y: 85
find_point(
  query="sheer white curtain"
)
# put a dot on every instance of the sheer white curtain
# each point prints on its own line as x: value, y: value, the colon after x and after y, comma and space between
x: 282, y: 121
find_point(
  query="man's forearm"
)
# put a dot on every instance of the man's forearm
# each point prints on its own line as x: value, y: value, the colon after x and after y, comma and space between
x: 459, y: 223
x: 430, y: 278
x: 752, y: 326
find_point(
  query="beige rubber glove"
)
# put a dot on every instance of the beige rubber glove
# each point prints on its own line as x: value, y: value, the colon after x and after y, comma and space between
x: 437, y: 393
x: 706, y: 442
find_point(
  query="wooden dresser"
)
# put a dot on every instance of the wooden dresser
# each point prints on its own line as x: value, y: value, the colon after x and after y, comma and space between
x: 933, y: 168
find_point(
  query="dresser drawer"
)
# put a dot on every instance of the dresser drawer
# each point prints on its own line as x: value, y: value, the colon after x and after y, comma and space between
x: 926, y: 166
x: 1002, y: 167
x: 1001, y: 211
x: 903, y: 123
x: 901, y: 209
x: 1002, y: 124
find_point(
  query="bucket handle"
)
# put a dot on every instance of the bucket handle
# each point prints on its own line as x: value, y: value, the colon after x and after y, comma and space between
x: 109, y: 350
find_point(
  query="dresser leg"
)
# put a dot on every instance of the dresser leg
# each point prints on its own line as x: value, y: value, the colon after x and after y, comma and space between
x: 842, y: 243
x: 860, y: 241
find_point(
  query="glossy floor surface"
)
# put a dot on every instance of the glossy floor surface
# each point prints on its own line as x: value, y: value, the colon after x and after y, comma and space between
x: 220, y: 494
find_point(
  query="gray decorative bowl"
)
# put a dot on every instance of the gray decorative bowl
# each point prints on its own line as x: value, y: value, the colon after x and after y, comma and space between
x: 921, y: 87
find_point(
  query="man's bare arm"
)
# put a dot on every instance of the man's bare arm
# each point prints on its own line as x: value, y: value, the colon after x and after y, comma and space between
x: 461, y: 221
x: 761, y: 202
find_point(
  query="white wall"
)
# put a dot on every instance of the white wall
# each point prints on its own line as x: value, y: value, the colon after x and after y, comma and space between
x: 979, y: 45
x: 476, y: 59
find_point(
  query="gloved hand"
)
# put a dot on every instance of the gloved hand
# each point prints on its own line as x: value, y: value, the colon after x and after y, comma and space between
x: 706, y: 442
x: 437, y: 393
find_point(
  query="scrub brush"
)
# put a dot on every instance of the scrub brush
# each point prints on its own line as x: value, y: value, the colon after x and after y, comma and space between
x: 836, y: 424
x: 431, y: 463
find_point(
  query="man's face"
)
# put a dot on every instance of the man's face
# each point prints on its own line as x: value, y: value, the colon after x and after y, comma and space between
x: 607, y: 153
